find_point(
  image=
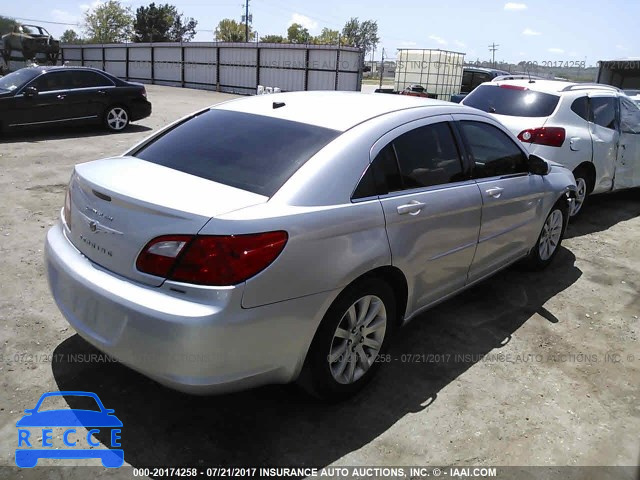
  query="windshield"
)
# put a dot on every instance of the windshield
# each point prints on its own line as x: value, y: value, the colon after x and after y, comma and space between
x: 516, y: 102
x: 18, y: 79
x: 252, y: 152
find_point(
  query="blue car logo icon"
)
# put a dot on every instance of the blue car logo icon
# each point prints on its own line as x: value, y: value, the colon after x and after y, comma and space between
x: 42, y: 423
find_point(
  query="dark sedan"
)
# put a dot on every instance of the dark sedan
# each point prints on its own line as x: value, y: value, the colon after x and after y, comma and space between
x: 78, y: 95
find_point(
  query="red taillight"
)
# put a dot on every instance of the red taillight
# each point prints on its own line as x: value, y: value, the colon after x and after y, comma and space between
x: 513, y: 87
x: 211, y: 260
x: 550, y: 136
x: 160, y: 254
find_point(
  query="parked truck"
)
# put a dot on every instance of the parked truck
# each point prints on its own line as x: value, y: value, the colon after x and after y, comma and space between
x: 623, y: 73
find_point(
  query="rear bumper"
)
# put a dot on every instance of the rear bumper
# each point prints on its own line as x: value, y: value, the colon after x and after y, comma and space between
x: 202, y: 343
x: 140, y: 109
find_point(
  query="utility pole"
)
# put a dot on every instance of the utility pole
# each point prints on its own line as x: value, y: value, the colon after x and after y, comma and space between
x: 492, y: 48
x: 381, y: 68
x: 246, y: 20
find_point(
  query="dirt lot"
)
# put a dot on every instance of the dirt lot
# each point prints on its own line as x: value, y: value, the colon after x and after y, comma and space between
x: 524, y: 369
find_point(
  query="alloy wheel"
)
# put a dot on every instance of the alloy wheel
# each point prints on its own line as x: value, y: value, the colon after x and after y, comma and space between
x: 117, y: 118
x: 357, y: 339
x: 581, y: 194
x: 551, y: 233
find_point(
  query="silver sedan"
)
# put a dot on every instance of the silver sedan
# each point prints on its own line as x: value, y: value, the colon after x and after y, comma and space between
x: 284, y: 237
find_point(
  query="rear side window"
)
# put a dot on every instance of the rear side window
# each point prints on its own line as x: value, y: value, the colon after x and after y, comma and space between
x: 603, y: 112
x: 88, y: 79
x: 428, y: 156
x: 252, y: 152
x: 580, y: 107
x: 493, y: 152
x: 505, y: 100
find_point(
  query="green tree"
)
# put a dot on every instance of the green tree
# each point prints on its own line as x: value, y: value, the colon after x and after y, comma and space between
x: 109, y: 22
x: 7, y: 24
x: 327, y: 37
x: 231, y: 31
x: 361, y: 34
x: 70, y: 36
x: 162, y: 23
x: 296, y: 33
x: 273, y: 39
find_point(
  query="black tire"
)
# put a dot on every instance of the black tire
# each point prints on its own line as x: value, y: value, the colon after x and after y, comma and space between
x: 317, y: 377
x: 584, y: 182
x: 113, y: 117
x: 537, y: 259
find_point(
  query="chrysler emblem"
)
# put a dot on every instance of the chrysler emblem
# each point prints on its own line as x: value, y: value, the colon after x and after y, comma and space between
x: 93, y: 226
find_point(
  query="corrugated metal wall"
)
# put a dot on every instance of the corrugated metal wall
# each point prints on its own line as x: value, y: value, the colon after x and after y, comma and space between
x: 227, y: 67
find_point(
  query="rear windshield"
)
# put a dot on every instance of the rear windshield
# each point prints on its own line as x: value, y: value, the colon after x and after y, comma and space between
x: 252, y: 152
x: 509, y: 101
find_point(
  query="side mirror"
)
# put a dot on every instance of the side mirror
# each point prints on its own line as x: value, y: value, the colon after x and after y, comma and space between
x: 538, y: 165
x: 30, y: 92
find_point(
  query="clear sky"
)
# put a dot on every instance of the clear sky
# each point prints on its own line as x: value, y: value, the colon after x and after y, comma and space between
x: 525, y: 30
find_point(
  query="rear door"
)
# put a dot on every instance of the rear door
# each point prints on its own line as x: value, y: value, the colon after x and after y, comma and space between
x: 512, y: 198
x: 431, y: 207
x: 89, y: 94
x: 628, y: 160
x: 605, y: 137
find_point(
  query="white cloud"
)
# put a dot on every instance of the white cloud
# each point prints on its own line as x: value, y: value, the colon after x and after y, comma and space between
x: 438, y: 40
x: 555, y: 50
x: 65, y: 17
x: 460, y: 44
x: 305, y: 21
x: 90, y: 6
x: 530, y: 32
x: 515, y: 6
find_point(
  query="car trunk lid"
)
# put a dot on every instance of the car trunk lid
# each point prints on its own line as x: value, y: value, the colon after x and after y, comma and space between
x: 119, y: 204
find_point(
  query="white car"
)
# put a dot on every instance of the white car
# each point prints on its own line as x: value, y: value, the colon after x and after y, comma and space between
x: 592, y: 129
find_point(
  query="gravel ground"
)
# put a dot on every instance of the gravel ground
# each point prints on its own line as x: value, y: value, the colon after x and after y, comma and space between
x: 524, y: 369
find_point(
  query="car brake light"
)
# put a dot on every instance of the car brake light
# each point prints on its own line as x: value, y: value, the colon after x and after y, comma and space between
x: 550, y: 136
x: 513, y: 87
x: 211, y: 259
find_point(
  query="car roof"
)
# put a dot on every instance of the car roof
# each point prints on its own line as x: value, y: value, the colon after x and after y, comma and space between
x: 553, y: 86
x: 329, y: 109
x: 487, y: 70
x: 47, y: 68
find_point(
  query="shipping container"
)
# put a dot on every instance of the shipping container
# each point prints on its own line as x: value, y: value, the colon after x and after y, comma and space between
x: 438, y: 71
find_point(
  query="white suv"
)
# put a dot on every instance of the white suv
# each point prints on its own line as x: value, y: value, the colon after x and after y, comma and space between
x: 592, y: 129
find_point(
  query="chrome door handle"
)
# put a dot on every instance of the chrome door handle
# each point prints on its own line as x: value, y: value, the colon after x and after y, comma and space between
x: 101, y: 92
x: 61, y: 97
x: 495, y: 192
x: 412, y: 208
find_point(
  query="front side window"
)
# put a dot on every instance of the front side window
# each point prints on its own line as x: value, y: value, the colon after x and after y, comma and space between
x: 493, y: 152
x: 53, y: 81
x: 629, y: 116
x: 603, y: 112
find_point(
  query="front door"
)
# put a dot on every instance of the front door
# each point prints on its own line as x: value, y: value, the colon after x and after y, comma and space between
x: 511, y: 196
